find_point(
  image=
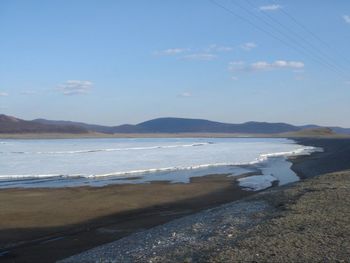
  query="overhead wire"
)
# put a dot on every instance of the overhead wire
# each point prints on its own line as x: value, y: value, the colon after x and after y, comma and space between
x: 320, y: 53
x: 310, y: 32
x: 272, y: 34
x: 295, y: 43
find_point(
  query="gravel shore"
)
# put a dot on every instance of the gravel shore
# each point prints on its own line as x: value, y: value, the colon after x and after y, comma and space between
x: 308, y: 221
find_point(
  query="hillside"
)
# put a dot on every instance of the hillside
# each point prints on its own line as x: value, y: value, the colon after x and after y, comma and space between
x: 177, y: 125
x: 336, y: 129
x: 311, y: 132
x: 10, y: 124
x: 182, y: 125
x: 164, y: 125
x: 89, y: 127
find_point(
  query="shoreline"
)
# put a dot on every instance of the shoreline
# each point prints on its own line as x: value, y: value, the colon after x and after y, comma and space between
x: 306, y: 220
x: 171, y: 174
x: 335, y: 157
x: 56, y: 136
x: 52, y: 243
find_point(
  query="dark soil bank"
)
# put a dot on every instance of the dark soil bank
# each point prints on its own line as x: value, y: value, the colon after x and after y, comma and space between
x: 308, y: 221
x: 335, y: 157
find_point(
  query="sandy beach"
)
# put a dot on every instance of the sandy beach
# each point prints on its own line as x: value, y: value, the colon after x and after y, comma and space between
x: 71, y: 220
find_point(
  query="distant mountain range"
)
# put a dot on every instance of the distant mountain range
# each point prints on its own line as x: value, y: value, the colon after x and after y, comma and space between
x: 10, y: 124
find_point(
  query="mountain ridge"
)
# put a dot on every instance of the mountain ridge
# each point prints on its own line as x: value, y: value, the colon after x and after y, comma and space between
x: 246, y: 127
x: 9, y: 124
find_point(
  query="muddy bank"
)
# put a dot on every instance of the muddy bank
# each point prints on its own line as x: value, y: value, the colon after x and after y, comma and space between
x: 335, y: 157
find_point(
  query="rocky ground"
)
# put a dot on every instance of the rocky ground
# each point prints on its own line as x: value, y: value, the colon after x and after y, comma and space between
x: 308, y: 221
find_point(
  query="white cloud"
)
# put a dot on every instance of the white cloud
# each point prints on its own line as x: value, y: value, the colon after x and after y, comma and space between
x: 260, y: 65
x: 171, y: 51
x: 3, y: 94
x: 263, y: 65
x: 270, y: 7
x: 218, y: 48
x: 248, y: 46
x: 346, y: 18
x: 185, y: 94
x: 200, y: 56
x: 234, y: 78
x: 347, y: 82
x: 236, y: 66
x: 75, y: 87
x: 237, y: 63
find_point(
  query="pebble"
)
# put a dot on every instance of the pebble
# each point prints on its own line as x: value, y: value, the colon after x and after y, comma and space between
x: 176, y: 235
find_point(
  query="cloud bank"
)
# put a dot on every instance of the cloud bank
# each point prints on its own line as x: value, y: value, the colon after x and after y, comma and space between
x: 218, y: 48
x: 171, y: 51
x: 200, y: 56
x: 270, y: 7
x: 248, y: 46
x: 263, y: 65
x: 75, y: 87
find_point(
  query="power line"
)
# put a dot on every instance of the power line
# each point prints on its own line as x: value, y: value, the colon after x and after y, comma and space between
x: 252, y: 24
x: 291, y: 17
x: 314, y: 48
x: 302, y: 26
x: 300, y: 47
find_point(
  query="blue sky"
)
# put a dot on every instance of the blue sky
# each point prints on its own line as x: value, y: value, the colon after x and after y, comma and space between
x: 114, y: 62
